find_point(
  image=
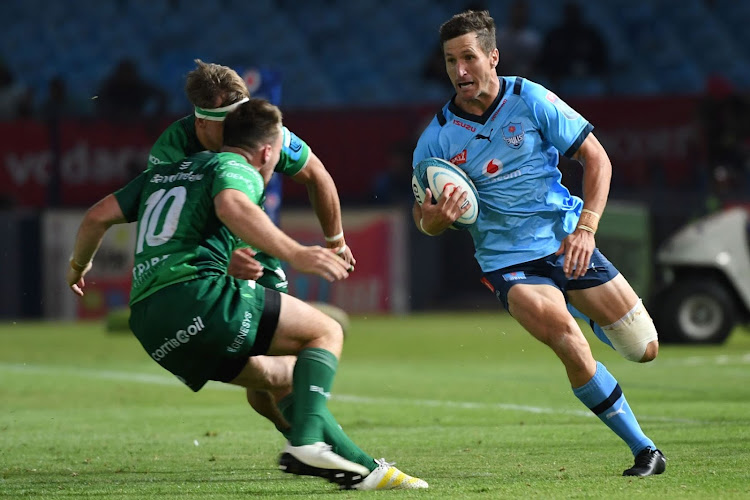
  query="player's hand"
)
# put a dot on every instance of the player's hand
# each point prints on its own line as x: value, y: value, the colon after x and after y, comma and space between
x: 344, y: 251
x: 320, y: 261
x: 243, y: 266
x: 578, y: 248
x: 451, y: 205
x: 75, y: 279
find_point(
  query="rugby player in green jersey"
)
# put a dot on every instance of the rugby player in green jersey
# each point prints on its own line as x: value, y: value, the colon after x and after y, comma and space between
x: 202, y: 324
x: 214, y: 90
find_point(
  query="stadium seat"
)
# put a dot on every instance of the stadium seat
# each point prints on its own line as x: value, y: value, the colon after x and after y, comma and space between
x: 653, y: 45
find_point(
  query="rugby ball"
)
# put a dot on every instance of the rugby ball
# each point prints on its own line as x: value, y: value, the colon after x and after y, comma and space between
x: 439, y: 175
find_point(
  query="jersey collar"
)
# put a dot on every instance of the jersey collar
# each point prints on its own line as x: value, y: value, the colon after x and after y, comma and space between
x: 453, y: 108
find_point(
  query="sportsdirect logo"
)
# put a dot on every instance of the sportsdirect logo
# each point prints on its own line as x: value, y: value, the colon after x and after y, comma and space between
x: 180, y: 338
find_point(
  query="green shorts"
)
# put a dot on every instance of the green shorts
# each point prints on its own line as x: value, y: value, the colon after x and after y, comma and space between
x: 273, y: 274
x: 207, y: 328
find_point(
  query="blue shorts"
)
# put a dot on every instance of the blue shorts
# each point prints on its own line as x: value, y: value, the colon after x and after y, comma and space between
x: 548, y: 271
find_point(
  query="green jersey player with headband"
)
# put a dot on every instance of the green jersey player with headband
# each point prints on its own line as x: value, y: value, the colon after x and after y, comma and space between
x: 215, y: 90
x: 209, y: 88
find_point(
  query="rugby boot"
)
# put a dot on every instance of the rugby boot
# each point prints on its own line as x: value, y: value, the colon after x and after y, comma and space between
x: 318, y: 460
x: 387, y: 477
x: 647, y: 463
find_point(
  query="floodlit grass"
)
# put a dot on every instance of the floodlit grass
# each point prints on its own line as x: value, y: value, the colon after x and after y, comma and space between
x: 468, y: 402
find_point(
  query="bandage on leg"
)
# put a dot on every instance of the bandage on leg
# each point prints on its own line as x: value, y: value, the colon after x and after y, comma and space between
x: 631, y: 334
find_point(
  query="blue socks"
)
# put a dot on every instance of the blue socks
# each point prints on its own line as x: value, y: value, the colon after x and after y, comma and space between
x: 603, y: 396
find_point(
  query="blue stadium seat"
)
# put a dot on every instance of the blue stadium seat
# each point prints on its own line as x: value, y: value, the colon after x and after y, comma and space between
x: 654, y: 46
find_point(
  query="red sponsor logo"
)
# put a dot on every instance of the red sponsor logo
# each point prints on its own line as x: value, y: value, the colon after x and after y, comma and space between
x: 464, y: 125
x: 493, y: 167
x: 551, y: 97
x: 460, y: 158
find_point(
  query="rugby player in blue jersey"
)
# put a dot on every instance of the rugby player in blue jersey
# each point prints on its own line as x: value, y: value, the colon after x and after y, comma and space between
x: 533, y: 240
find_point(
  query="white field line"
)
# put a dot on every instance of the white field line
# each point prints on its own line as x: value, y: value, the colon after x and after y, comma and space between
x: 718, y: 360
x: 153, y: 379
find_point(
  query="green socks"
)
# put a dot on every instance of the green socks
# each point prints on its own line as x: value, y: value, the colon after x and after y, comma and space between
x: 306, y: 409
x: 311, y: 387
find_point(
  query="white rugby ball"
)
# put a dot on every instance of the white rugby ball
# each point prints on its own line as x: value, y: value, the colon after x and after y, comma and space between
x: 439, y: 175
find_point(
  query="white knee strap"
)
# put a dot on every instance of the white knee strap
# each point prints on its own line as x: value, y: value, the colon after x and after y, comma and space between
x: 631, y: 334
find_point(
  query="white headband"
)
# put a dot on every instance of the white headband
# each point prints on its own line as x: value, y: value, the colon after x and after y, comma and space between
x: 218, y: 114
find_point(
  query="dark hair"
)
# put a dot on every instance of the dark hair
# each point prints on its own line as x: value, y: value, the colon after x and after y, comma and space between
x: 209, y: 81
x: 471, y: 21
x: 253, y: 124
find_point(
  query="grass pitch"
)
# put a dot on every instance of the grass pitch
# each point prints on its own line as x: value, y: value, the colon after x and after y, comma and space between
x: 468, y: 402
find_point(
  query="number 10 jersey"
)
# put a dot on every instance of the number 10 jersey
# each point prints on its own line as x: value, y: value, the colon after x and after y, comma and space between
x: 179, y: 236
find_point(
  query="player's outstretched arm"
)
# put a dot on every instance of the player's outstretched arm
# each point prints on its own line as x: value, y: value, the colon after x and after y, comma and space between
x: 98, y: 219
x: 250, y: 223
x: 324, y: 198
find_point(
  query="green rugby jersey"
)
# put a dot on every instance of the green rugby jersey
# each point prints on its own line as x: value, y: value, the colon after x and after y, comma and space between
x: 179, y: 237
x: 180, y: 140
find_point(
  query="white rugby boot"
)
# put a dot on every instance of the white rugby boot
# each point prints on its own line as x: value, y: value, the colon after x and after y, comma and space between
x: 387, y: 477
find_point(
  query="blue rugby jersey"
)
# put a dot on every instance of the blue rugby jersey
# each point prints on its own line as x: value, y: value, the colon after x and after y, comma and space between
x: 511, y: 155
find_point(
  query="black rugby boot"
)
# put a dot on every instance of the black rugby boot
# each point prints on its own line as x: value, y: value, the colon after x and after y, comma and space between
x: 647, y: 463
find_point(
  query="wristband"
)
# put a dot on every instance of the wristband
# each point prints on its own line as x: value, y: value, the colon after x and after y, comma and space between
x: 335, y: 237
x: 423, y: 229
x: 75, y: 266
x: 588, y: 220
x: 341, y: 249
x: 586, y: 228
